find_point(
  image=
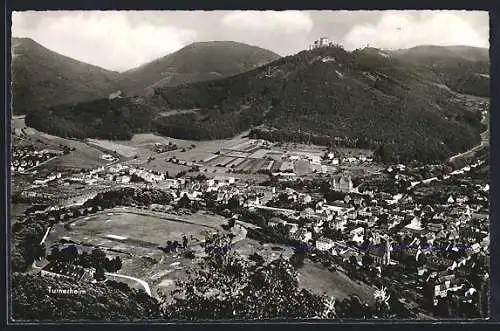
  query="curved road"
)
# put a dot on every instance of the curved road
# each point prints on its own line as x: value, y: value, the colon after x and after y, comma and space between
x: 140, y: 281
x: 485, y: 137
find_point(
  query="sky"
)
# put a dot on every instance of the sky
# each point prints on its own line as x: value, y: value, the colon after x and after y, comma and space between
x: 121, y: 40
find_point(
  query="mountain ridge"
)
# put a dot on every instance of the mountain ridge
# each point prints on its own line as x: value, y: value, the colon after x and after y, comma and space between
x: 361, y: 97
x: 44, y: 78
x: 197, y: 61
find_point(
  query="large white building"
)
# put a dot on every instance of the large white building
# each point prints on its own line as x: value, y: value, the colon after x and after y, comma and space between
x: 342, y: 183
x: 324, y: 244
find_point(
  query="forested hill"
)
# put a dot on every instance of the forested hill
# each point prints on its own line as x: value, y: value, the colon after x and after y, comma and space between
x: 463, y: 69
x: 41, y: 77
x: 196, y: 62
x: 365, y: 98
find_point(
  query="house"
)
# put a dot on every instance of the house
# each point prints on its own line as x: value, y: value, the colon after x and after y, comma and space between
x: 415, y: 226
x: 63, y: 270
x: 339, y: 207
x: 125, y: 179
x: 352, y: 215
x: 339, y: 223
x: 475, y: 248
x: 364, y: 213
x: 440, y: 290
x: 303, y: 235
x: 359, y: 202
x: 357, y: 235
x: 324, y: 244
x: 275, y: 221
x: 292, y: 228
x: 435, y: 227
x: 435, y: 262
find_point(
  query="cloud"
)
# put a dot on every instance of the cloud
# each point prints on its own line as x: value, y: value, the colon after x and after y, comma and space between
x: 401, y: 30
x: 121, y: 40
x: 102, y: 38
x: 288, y: 22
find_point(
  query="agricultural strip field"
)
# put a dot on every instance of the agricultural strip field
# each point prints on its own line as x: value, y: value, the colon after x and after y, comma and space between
x: 259, y: 154
x: 220, y: 161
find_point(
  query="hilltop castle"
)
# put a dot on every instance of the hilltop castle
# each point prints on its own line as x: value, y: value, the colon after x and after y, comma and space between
x: 322, y: 42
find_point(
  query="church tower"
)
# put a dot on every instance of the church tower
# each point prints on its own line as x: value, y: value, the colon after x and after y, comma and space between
x: 387, y: 253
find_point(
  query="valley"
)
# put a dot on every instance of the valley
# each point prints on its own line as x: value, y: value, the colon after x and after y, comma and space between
x: 223, y: 181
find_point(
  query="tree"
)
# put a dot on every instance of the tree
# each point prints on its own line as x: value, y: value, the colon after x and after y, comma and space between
x: 257, y: 258
x: 175, y: 245
x: 353, y: 261
x: 99, y: 274
x: 69, y: 253
x: 367, y: 260
x: 226, y: 286
x: 102, y: 301
x: 184, y: 201
x: 54, y: 254
x: 84, y: 260
x: 98, y: 258
x: 297, y: 259
x: 382, y: 308
x: 233, y: 203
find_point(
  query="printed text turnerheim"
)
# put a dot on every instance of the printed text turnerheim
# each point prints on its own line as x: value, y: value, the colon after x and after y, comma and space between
x: 66, y: 291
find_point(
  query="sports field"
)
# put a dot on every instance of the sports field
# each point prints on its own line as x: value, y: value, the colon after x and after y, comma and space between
x: 135, y: 235
x: 137, y: 228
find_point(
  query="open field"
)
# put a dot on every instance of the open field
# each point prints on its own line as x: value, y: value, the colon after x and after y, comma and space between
x: 210, y: 146
x: 302, y: 167
x: 84, y: 156
x: 112, y: 146
x: 319, y: 279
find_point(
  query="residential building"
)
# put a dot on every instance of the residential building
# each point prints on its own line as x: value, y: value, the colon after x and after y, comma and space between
x: 63, y: 270
x: 324, y: 244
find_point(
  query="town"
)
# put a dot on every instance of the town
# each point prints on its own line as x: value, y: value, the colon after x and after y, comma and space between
x: 206, y: 165
x: 419, y: 231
